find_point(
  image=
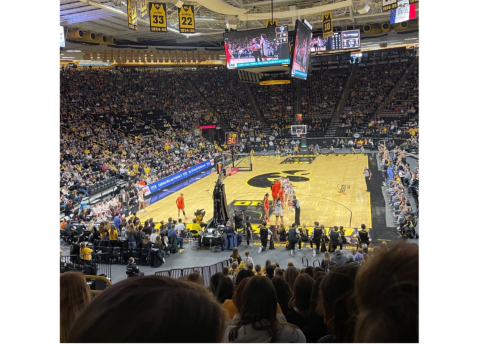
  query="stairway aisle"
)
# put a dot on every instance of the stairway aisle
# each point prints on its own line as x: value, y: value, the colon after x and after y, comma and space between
x: 253, y: 102
x: 346, y: 92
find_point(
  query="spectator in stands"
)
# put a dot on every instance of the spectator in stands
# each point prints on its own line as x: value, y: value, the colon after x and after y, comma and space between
x: 225, y: 289
x: 151, y: 294
x: 391, y: 278
x: 195, y: 277
x: 235, y: 256
x: 283, y: 292
x: 85, y: 252
x: 316, y: 327
x: 214, y: 281
x: 335, y: 303
x: 131, y: 237
x: 300, y: 301
x: 270, y: 271
x: 339, y: 258
x: 291, y: 274
x: 258, y: 320
x: 74, y: 297
x: 113, y: 234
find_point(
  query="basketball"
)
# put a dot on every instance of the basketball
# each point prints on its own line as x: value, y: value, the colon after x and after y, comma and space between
x: 290, y: 203
x: 252, y: 47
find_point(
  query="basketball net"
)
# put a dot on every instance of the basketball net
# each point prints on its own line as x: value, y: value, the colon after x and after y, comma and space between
x: 299, y: 132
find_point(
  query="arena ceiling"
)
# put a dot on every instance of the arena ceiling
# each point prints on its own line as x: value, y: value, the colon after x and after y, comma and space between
x: 212, y: 17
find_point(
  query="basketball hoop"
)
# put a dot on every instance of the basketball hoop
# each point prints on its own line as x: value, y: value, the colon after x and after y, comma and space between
x: 299, y: 132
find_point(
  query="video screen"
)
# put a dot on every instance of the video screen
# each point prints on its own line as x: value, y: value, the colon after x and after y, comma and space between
x: 351, y: 39
x: 333, y: 42
x: 301, y: 53
x: 254, y: 48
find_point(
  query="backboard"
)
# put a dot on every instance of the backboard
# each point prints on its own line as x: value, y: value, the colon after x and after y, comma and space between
x: 297, y: 130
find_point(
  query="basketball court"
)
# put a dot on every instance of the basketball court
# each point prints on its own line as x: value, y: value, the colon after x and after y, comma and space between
x: 330, y: 188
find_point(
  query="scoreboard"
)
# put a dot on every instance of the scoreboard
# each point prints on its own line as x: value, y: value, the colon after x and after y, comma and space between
x: 351, y: 39
x: 231, y: 139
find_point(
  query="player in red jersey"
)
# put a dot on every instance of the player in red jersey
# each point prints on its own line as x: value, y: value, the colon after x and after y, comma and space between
x: 275, y: 189
x: 181, y: 206
x: 281, y: 195
x: 266, y: 207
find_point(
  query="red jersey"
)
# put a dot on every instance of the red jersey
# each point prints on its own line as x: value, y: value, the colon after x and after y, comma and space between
x: 180, y: 204
x: 281, y: 193
x: 276, y: 188
x: 265, y: 203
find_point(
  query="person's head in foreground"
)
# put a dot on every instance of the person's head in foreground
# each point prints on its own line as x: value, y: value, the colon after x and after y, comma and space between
x: 386, y: 294
x: 149, y: 309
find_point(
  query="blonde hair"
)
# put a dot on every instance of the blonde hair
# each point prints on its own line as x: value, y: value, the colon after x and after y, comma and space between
x: 74, y: 297
x: 327, y: 257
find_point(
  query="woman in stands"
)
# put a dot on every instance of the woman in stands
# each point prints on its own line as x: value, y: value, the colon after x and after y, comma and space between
x: 131, y: 237
x: 113, y: 234
x: 85, y: 252
x: 300, y: 301
x: 214, y: 281
x: 283, y: 292
x: 392, y: 276
x: 258, y: 317
x: 291, y: 275
x: 236, y: 256
x: 74, y: 297
x: 325, y: 265
x: 225, y: 289
x: 152, y: 293
x: 336, y: 303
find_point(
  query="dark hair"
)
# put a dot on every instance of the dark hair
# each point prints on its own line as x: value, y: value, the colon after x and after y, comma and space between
x: 395, y: 286
x: 195, y: 277
x: 214, y: 281
x: 143, y: 297
x: 238, y: 296
x: 225, y: 270
x: 225, y: 289
x: 259, y: 303
x: 335, y: 301
x: 283, y: 292
x: 270, y: 270
x: 318, y: 274
x: 309, y: 271
x: 301, y: 293
x: 290, y: 276
x: 242, y: 274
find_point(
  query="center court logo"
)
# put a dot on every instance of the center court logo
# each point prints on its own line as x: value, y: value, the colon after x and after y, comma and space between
x: 265, y: 180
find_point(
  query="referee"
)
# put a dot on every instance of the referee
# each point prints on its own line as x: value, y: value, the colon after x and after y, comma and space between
x: 296, y: 206
x: 368, y: 177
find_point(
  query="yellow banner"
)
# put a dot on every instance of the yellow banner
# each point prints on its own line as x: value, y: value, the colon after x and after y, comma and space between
x: 132, y: 14
x: 158, y: 17
x: 413, y: 1
x: 327, y: 24
x: 143, y: 7
x: 186, y: 19
x: 273, y: 22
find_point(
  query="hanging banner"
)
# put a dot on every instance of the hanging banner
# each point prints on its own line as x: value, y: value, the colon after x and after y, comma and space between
x: 327, y: 24
x: 403, y: 12
x: 413, y: 1
x: 132, y: 14
x: 273, y: 22
x: 158, y: 17
x: 186, y: 19
x: 143, y: 7
x: 388, y: 5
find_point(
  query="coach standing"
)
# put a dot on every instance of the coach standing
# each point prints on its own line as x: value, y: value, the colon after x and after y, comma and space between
x: 296, y: 206
x: 368, y: 177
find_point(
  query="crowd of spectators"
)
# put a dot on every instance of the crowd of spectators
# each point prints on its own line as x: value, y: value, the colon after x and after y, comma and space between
x: 374, y: 301
x: 320, y: 96
x: 369, y: 88
x: 222, y: 90
x: 92, y: 151
x: 405, y: 100
x: 402, y: 188
x: 276, y: 103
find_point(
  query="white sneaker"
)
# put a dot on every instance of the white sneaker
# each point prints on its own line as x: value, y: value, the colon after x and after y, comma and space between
x: 310, y: 248
x: 314, y: 253
x: 291, y: 253
x: 260, y: 249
